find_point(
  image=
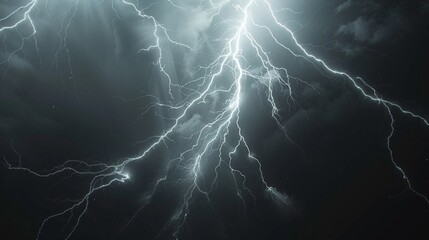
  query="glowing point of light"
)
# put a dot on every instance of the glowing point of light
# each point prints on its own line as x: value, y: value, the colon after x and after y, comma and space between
x: 125, y: 175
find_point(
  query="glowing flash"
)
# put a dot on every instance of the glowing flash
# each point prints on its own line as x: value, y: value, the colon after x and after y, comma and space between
x: 222, y: 138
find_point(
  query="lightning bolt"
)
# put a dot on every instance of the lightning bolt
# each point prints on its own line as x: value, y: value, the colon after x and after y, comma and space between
x: 215, y: 146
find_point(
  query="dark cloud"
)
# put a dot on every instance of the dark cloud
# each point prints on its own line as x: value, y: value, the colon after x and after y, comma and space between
x: 372, y: 31
x: 344, y: 6
x: 376, y: 26
x: 366, y: 25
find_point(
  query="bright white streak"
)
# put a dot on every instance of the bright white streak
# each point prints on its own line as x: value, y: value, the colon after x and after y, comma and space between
x: 227, y: 120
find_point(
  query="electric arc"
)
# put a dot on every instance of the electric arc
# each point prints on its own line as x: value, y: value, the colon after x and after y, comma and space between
x: 244, y: 37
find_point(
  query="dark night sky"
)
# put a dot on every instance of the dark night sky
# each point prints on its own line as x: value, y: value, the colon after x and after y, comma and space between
x: 337, y: 173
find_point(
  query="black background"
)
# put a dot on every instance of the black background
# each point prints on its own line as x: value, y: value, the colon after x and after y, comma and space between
x: 342, y: 183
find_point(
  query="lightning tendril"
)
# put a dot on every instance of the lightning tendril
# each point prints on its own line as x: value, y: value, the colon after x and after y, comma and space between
x: 215, y: 144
